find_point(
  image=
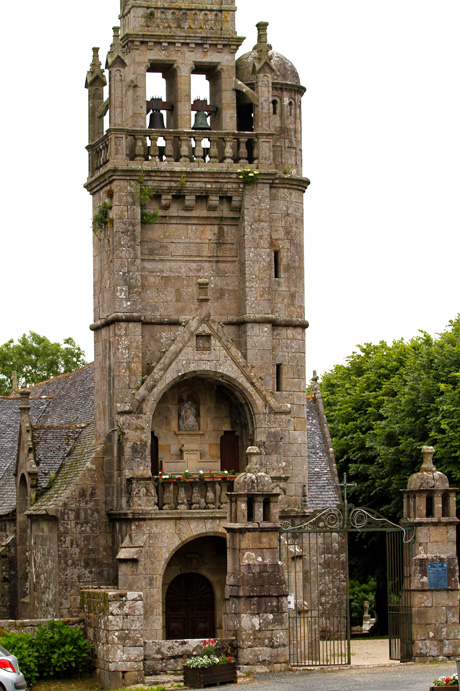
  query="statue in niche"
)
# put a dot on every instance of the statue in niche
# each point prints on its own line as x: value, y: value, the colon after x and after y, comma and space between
x: 188, y: 415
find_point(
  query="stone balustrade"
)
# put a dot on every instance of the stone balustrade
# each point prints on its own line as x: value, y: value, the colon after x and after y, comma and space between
x: 179, y: 495
x: 161, y: 147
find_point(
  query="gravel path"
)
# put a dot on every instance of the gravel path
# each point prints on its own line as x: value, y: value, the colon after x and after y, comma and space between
x: 404, y: 677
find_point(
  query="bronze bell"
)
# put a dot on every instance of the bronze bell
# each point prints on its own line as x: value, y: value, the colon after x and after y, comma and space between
x: 203, y: 111
x: 201, y: 121
x: 156, y: 120
x: 154, y: 107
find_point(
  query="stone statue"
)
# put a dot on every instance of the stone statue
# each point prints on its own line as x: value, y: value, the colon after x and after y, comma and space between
x: 188, y: 418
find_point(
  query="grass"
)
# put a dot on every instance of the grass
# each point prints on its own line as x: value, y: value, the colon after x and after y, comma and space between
x: 86, y: 684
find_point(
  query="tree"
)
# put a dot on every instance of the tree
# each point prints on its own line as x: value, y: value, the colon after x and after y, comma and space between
x: 385, y: 404
x: 382, y: 406
x: 35, y: 358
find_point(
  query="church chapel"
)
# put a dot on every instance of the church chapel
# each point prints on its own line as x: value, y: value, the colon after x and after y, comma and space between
x: 121, y: 474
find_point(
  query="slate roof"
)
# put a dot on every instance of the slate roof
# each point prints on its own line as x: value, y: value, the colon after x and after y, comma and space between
x: 321, y: 465
x: 72, y: 466
x: 60, y: 411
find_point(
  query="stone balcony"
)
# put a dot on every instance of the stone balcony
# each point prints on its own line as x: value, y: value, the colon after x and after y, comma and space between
x: 163, y: 147
x: 197, y: 493
x: 174, y: 494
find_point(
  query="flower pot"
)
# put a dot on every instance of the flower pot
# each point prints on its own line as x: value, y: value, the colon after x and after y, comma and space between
x: 198, y: 678
x: 452, y: 688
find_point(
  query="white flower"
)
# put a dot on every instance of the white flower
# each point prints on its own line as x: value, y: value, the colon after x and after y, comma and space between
x: 201, y: 472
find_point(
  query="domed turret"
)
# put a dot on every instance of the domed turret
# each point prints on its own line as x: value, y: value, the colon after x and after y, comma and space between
x: 428, y: 495
x: 284, y: 71
x: 268, y: 100
x: 428, y: 477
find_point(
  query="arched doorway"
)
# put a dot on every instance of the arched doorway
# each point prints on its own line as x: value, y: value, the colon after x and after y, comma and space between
x: 189, y: 610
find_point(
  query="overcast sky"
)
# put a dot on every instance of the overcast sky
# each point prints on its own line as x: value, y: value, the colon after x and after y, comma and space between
x: 381, y: 148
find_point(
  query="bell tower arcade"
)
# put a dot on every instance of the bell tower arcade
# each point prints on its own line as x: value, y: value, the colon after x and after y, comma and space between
x: 198, y: 248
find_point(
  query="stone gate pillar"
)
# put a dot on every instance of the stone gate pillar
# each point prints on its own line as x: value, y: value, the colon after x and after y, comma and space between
x: 256, y: 594
x: 430, y: 506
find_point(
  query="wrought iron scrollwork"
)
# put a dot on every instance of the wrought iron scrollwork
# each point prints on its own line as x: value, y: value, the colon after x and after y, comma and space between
x: 346, y: 517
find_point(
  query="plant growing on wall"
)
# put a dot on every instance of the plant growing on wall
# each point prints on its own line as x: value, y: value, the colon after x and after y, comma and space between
x: 102, y: 218
x: 249, y: 176
x: 145, y: 193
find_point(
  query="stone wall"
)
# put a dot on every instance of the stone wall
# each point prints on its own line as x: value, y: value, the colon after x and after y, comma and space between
x: 169, y: 656
x: 114, y: 625
x: 72, y: 545
x: 8, y: 598
x: 31, y: 625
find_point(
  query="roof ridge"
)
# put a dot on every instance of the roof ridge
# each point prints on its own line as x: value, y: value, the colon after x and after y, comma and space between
x: 63, y: 426
x: 60, y: 376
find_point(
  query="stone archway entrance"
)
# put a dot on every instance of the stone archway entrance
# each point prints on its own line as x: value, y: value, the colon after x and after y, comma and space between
x: 193, y: 589
x: 190, y: 610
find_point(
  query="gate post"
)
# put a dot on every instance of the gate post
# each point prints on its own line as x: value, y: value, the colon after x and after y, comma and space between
x: 256, y: 593
x: 430, y: 507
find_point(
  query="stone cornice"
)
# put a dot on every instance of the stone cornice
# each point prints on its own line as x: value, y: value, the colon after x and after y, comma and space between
x: 152, y: 320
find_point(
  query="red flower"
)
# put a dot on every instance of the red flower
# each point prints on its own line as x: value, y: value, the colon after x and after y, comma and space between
x: 182, y: 478
x: 230, y: 658
x: 447, y: 680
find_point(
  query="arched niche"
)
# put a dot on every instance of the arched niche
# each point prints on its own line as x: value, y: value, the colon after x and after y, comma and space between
x: 202, y: 424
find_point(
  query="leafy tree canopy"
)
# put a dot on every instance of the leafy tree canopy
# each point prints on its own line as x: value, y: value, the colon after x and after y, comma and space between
x: 385, y: 404
x: 35, y: 358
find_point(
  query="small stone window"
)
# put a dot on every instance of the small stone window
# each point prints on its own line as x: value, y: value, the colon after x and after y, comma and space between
x: 279, y: 377
x: 276, y: 264
x: 429, y: 506
x: 203, y: 342
x: 250, y: 514
x: 445, y: 505
x: 275, y: 107
x: 266, y: 510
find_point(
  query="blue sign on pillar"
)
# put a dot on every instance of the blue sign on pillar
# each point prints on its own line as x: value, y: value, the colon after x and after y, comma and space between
x: 437, y: 575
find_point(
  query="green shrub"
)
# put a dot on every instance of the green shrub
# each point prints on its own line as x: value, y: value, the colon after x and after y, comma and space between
x: 22, y: 646
x: 62, y: 651
x: 57, y: 650
x: 359, y: 593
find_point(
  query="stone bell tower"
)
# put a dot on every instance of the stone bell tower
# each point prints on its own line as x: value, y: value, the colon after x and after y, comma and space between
x: 198, y: 249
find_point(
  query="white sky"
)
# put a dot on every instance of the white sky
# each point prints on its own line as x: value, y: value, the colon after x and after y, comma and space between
x: 381, y: 148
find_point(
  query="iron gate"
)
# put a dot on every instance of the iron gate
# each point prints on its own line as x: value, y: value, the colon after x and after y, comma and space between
x: 315, y: 555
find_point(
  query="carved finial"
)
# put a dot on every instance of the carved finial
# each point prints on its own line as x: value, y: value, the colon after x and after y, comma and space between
x: 253, y: 454
x: 115, y: 46
x: 95, y: 71
x: 95, y: 62
x: 263, y: 48
x: 262, y: 33
x: 25, y: 394
x: 427, y: 465
x: 203, y: 286
x: 315, y: 390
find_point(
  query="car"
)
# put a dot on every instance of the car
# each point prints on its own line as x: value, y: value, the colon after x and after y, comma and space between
x: 11, y: 679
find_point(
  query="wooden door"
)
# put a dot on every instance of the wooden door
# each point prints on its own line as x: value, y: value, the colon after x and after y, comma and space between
x: 190, y: 608
x: 230, y: 452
